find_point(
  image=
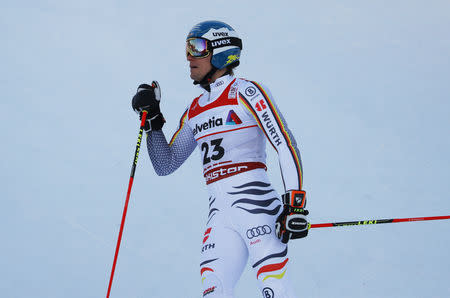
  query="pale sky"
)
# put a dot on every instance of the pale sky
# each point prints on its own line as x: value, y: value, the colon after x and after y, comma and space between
x: 363, y: 85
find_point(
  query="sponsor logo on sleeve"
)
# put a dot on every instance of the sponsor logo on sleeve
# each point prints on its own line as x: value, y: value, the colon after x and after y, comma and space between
x: 261, y: 105
x: 250, y: 91
x: 233, y: 90
x: 271, y: 129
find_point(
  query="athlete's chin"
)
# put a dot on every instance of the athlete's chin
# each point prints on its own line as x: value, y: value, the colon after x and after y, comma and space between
x: 195, y: 76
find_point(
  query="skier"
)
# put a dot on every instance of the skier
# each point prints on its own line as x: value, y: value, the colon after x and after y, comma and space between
x: 230, y: 123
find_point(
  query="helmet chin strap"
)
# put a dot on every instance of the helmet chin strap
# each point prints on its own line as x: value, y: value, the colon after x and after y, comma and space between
x: 206, y: 79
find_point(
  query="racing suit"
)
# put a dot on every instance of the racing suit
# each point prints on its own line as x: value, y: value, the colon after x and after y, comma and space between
x: 230, y: 125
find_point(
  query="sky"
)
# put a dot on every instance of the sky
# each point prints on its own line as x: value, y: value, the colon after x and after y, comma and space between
x: 363, y: 86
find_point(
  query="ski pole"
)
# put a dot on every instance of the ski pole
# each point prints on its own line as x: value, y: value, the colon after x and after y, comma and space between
x: 125, y: 208
x: 375, y: 221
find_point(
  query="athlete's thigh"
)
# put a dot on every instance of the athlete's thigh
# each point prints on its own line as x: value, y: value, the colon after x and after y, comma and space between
x: 223, y: 258
x: 269, y: 259
x: 268, y: 256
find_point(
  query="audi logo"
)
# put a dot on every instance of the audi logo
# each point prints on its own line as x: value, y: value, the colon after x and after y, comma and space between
x: 258, y: 231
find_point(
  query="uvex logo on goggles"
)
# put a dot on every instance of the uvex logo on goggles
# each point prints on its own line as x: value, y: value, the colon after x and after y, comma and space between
x: 200, y: 47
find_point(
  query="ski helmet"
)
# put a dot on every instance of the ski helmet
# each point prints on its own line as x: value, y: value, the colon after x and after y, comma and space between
x: 222, y: 40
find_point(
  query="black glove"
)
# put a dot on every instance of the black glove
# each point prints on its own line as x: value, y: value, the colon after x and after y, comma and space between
x: 292, y: 222
x: 147, y: 98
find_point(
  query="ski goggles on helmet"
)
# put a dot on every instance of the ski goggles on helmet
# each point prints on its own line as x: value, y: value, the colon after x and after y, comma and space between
x: 197, y: 47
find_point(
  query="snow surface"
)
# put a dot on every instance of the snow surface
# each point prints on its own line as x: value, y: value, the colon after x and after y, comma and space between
x: 364, y: 86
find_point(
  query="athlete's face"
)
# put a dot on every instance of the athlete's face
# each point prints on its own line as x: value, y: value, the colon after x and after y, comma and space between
x: 199, y: 67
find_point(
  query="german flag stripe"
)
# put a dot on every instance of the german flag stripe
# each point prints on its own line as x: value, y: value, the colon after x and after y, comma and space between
x: 208, y: 261
x: 271, y: 268
x: 277, y: 276
x: 276, y: 255
x: 284, y: 132
x: 181, y: 125
x: 249, y: 107
x: 245, y: 102
x: 202, y: 270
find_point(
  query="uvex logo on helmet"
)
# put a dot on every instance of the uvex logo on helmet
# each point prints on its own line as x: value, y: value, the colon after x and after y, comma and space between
x: 225, y: 44
x: 223, y: 34
x: 220, y: 42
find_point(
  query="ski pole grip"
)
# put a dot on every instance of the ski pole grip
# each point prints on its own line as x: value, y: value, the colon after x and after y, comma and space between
x: 144, y: 117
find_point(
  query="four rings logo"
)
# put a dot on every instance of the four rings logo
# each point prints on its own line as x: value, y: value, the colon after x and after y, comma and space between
x: 258, y: 231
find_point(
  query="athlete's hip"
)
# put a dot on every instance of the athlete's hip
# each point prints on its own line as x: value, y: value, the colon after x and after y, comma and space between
x: 254, y: 177
x: 245, y: 195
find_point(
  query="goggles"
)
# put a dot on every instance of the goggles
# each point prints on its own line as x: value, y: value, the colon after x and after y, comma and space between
x: 197, y: 47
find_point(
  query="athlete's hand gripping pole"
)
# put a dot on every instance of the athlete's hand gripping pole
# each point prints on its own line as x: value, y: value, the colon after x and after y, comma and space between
x: 148, y: 98
x: 130, y: 184
x: 292, y: 223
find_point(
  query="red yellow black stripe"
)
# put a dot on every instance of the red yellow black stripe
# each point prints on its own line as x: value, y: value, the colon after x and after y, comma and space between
x: 250, y: 108
x: 180, y: 127
x: 271, y: 267
x: 284, y: 132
